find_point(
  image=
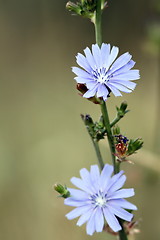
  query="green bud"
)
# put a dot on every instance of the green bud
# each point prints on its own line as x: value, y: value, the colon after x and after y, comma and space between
x: 122, y: 110
x: 84, y: 8
x: 87, y: 120
x: 95, y: 129
x: 62, y: 190
x: 70, y: 6
x: 134, y: 145
x: 123, y: 106
x: 116, y: 130
x: 89, y: 124
x: 101, y: 122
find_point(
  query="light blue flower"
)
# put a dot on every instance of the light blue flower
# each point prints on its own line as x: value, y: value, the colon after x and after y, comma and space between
x: 100, y: 198
x: 103, y: 74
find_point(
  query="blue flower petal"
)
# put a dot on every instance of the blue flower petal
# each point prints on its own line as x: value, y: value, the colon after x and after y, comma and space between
x: 125, y: 83
x: 123, y: 203
x: 123, y: 193
x: 85, y: 217
x: 105, y: 176
x: 85, y: 175
x: 83, y: 80
x: 104, y: 97
x: 120, y: 212
x: 123, y: 69
x: 99, y: 220
x: 91, y: 92
x: 121, y: 61
x: 75, y: 203
x: 105, y: 51
x: 114, y: 90
x: 90, y: 228
x: 90, y: 58
x: 78, y: 194
x: 82, y: 62
x: 120, y: 87
x: 117, y: 185
x: 130, y: 75
x: 102, y: 91
x: 77, y: 212
x: 111, y: 220
x: 114, y: 180
x: 81, y: 73
x: 95, y: 175
x: 112, y: 56
x: 91, y: 84
x: 80, y: 184
x: 97, y: 55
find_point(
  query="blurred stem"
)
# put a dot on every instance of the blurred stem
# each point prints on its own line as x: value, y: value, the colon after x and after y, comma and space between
x: 98, y: 23
x: 122, y: 234
x: 98, y: 153
x: 157, y: 132
x: 97, y: 149
x: 103, y: 1
x: 98, y: 32
x: 109, y: 133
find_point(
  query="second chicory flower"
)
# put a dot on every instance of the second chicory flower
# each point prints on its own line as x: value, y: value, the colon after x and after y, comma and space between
x: 103, y: 73
x: 100, y: 198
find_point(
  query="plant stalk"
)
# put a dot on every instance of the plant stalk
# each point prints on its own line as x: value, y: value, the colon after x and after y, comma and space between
x: 98, y: 153
x: 98, y: 33
x: 109, y: 134
x: 98, y: 23
x: 115, y: 121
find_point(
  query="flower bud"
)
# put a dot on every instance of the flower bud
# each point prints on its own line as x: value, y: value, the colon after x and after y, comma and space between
x: 122, y: 110
x: 87, y: 120
x: 83, y: 89
x: 123, y: 106
x: 70, y: 6
x: 84, y: 8
x: 62, y: 190
x: 116, y: 130
x: 134, y: 145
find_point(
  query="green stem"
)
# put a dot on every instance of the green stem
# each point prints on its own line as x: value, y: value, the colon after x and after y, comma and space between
x: 109, y: 133
x: 95, y: 144
x: 98, y: 32
x: 122, y: 234
x: 98, y: 23
x: 115, y: 121
x: 98, y: 153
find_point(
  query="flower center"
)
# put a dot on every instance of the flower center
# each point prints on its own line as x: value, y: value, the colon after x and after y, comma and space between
x: 99, y: 199
x: 101, y: 75
x: 101, y: 79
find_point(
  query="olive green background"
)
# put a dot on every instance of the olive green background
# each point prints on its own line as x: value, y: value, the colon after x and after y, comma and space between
x: 42, y: 137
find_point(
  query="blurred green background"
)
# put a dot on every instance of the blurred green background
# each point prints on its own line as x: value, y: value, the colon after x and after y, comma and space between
x: 42, y: 137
